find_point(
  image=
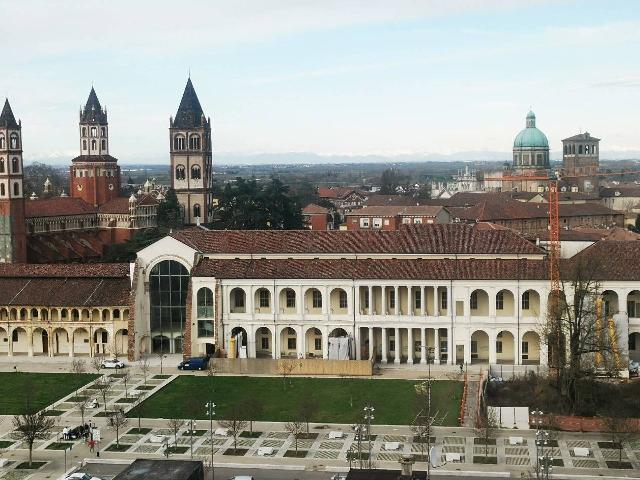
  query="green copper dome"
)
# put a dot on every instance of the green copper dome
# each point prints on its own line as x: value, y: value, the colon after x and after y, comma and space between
x: 531, y: 137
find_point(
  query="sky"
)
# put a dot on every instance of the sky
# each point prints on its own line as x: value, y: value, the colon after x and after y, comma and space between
x: 343, y: 77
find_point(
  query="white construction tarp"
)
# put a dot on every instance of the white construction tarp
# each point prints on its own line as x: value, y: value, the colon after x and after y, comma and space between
x: 511, y: 417
x: 339, y: 348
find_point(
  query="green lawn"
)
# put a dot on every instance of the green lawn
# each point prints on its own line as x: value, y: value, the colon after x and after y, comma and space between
x: 339, y: 400
x: 41, y: 389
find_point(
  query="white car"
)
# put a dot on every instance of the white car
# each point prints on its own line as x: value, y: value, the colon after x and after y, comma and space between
x: 81, y: 476
x: 114, y: 363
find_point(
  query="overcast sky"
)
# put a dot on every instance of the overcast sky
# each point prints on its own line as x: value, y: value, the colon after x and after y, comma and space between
x: 343, y: 77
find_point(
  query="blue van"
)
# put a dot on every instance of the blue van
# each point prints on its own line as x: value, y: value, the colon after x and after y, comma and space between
x: 195, y: 363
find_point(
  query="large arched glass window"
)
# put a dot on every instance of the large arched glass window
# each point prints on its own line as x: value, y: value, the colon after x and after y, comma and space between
x: 194, y: 142
x: 180, y: 172
x: 168, y: 283
x: 195, y: 172
x: 178, y: 142
x: 205, y: 303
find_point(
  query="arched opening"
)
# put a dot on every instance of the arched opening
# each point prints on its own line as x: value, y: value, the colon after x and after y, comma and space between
x: 479, y: 347
x: 609, y: 303
x: 40, y: 341
x: 4, y: 315
x: 205, y: 303
x: 505, y: 347
x: 20, y: 340
x: 196, y: 173
x: 313, y: 301
x: 633, y: 304
x: 2, y: 142
x: 287, y: 301
x: 3, y: 191
x: 179, y: 142
x: 288, y: 343
x: 339, y: 301
x: 80, y: 341
x: 530, y: 348
x: 101, y: 341
x: 180, y: 172
x: 262, y: 301
x: 313, y: 341
x: 264, y: 343
x: 479, y: 303
x: 196, y: 210
x: 4, y: 341
x: 60, y: 341
x: 16, y: 189
x: 168, y: 285
x: 530, y: 303
x: 14, y: 141
x: 238, y: 343
x: 504, y: 303
x: 194, y: 142
x: 95, y: 315
x: 237, y: 300
x: 121, y: 342
x: 15, y: 165
x: 340, y: 345
x: 2, y: 165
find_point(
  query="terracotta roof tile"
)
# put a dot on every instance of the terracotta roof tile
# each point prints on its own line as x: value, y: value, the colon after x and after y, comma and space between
x: 59, y: 206
x: 313, y: 209
x: 410, y: 239
x: 115, y: 205
x: 392, y: 211
x: 62, y: 270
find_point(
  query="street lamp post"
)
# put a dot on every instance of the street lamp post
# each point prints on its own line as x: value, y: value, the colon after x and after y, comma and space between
x: 368, y: 417
x: 211, y: 412
x: 544, y: 459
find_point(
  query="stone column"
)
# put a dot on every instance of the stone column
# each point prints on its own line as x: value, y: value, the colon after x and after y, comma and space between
x: 371, y: 345
x: 301, y: 342
x: 492, y: 349
x: 397, y: 300
x: 325, y: 343
x: 357, y: 342
x: 30, y: 338
x: 410, y: 346
x: 371, y: 302
x: 491, y: 293
x: 275, y: 343
x: 424, y: 350
x: 326, y: 302
x: 398, y: 349
x: 384, y: 300
x: 436, y: 310
x: 436, y: 350
x: 423, y: 300
x: 10, y: 340
x: 410, y: 303
x: 450, y: 347
x: 385, y: 345
x: 71, y: 344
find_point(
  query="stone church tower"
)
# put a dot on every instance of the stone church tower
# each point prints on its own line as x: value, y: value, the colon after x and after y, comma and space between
x: 13, y: 239
x: 191, y: 164
x: 95, y: 175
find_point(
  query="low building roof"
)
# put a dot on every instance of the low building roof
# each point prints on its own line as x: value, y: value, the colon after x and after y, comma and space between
x: 611, y: 260
x: 65, y: 285
x: 585, y: 234
x: 379, y: 199
x: 56, y: 207
x: 580, y: 138
x: 392, y: 211
x: 612, y: 192
x: 427, y: 239
x: 313, y: 209
x: 337, y: 192
x: 94, y: 159
x: 148, y: 469
x: 115, y: 205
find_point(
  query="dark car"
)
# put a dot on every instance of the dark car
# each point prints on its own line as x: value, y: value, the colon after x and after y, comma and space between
x: 78, y: 432
x: 196, y: 363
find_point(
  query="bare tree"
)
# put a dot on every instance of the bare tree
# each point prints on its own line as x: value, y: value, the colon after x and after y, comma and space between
x: 144, y: 366
x: 486, y: 424
x: 103, y: 385
x: 235, y: 423
x: 140, y: 408
x: 307, y: 408
x: 620, y: 429
x: 31, y: 427
x: 81, y: 406
x: 126, y: 378
x: 286, y: 368
x: 117, y: 421
x: 576, y: 320
x: 78, y: 367
x: 96, y: 362
x: 175, y: 424
x: 253, y: 408
x: 296, y: 429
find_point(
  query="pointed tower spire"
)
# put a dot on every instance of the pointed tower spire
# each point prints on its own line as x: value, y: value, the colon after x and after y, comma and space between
x: 93, y: 111
x: 7, y: 118
x: 190, y: 114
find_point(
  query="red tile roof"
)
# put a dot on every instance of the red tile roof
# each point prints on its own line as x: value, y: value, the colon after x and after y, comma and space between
x: 59, y: 206
x: 428, y: 239
x: 65, y: 285
x: 94, y: 158
x: 392, y: 211
x: 612, y: 260
x: 313, y: 209
x: 379, y: 200
x: 336, y: 192
x: 115, y: 205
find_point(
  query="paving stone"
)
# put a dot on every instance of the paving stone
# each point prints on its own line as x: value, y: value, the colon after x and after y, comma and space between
x: 394, y: 438
x: 453, y: 449
x: 281, y: 435
x: 585, y: 463
x: 610, y: 454
x: 453, y: 440
x: 518, y: 461
x: 272, y: 443
x: 479, y: 450
x: 331, y: 445
x: 146, y: 449
x: 516, y: 451
x: 333, y: 454
x: 389, y: 456
x: 578, y: 443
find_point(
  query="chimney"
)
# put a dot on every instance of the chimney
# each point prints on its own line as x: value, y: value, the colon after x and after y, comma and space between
x: 406, y: 467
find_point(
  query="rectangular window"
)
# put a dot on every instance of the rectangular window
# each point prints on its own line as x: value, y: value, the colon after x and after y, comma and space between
x: 474, y: 347
x: 498, y: 346
x: 392, y: 299
x: 418, y: 298
x: 317, y: 343
x: 264, y: 343
x: 205, y: 328
x: 291, y: 343
x: 632, y: 342
x: 316, y: 299
x: 366, y: 298
x: 364, y: 223
x: 417, y: 221
x: 525, y: 350
x: 500, y: 301
x: 406, y: 221
x: 239, y: 298
x: 291, y: 299
x: 525, y: 301
x: 343, y: 299
x: 264, y: 298
x: 377, y: 223
x: 443, y: 300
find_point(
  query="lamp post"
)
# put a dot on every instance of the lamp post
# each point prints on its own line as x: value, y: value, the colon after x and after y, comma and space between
x: 368, y: 417
x: 211, y: 412
x: 544, y: 459
x: 162, y: 357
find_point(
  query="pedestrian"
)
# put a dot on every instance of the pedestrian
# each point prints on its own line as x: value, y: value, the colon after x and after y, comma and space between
x: 92, y: 445
x: 65, y: 433
x: 461, y: 369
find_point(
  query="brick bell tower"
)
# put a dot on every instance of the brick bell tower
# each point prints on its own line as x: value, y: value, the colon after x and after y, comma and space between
x: 95, y: 175
x: 13, y: 238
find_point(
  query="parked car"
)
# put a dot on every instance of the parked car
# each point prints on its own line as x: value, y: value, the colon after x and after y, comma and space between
x: 113, y: 363
x: 195, y: 363
x: 80, y: 476
x: 242, y: 477
x: 78, y: 432
x: 633, y: 368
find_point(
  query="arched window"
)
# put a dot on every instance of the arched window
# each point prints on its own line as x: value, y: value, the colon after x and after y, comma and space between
x: 586, y: 149
x: 84, y: 144
x: 579, y: 149
x: 194, y: 142
x: 14, y: 140
x: 2, y: 147
x: 1, y: 165
x: 93, y: 144
x: 94, y: 132
x: 196, y: 210
x: 3, y: 191
x: 16, y: 189
x: 180, y: 172
x: 168, y: 283
x: 84, y: 131
x: 15, y: 165
x: 103, y: 131
x: 195, y: 172
x: 205, y: 303
x: 343, y: 299
x: 104, y: 144
x: 178, y: 142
